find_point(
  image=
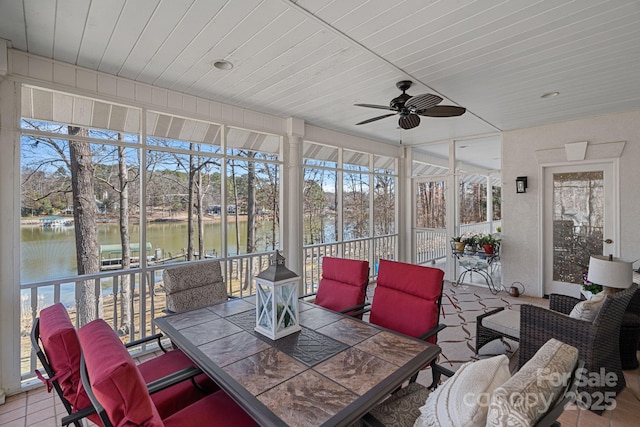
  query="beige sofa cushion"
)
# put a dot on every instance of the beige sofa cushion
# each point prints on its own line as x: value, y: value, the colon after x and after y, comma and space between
x: 507, y: 322
x: 588, y: 310
x: 464, y: 398
x: 530, y: 392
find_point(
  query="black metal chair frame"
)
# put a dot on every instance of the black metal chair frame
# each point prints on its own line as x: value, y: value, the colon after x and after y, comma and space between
x: 155, y: 386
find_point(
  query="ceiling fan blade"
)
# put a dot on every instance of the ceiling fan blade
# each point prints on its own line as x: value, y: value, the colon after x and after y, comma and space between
x: 409, y: 121
x: 381, y: 107
x: 442, y: 111
x: 422, y: 102
x: 375, y: 118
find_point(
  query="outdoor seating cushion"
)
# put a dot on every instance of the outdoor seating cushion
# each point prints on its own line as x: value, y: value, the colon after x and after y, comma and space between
x: 165, y: 364
x: 406, y: 298
x: 194, y: 285
x: 343, y: 283
x: 462, y: 400
x: 61, y: 346
x: 121, y: 390
x: 115, y: 379
x: 530, y: 393
x: 506, y: 322
x: 402, y: 408
x: 158, y: 367
x: 215, y: 410
x: 588, y: 309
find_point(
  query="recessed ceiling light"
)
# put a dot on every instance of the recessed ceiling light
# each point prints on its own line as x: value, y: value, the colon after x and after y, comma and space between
x: 550, y: 94
x: 463, y: 146
x: 223, y: 65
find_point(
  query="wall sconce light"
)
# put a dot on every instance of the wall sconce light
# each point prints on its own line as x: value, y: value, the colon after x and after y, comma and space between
x: 521, y: 184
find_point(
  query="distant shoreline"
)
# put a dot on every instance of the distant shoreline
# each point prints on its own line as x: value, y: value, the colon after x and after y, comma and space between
x: 177, y: 218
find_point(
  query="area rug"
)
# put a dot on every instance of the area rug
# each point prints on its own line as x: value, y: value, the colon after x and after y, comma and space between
x: 461, y: 305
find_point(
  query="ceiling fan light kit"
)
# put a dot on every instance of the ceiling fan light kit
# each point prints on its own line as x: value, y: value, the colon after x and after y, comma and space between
x: 411, y: 107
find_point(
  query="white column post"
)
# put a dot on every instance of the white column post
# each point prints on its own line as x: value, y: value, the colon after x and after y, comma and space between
x: 453, y: 216
x: 489, y: 203
x: 9, y: 223
x: 404, y: 191
x: 291, y: 224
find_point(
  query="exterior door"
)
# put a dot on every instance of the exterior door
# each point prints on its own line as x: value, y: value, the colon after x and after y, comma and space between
x: 580, y: 220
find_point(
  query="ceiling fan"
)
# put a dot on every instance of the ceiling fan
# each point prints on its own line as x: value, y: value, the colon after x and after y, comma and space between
x: 411, y: 107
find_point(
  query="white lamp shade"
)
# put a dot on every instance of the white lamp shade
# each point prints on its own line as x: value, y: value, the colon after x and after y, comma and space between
x: 613, y: 274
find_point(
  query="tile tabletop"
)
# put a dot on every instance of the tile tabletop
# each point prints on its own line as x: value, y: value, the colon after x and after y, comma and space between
x: 329, y: 373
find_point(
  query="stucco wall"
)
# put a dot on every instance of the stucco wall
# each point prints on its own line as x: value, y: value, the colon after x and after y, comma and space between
x: 522, y: 234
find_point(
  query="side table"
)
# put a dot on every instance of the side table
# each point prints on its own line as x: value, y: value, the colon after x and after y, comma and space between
x: 629, y: 338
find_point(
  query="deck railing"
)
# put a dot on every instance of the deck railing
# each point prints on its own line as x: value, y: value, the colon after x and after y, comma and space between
x: 431, y: 243
x: 371, y: 249
x: 148, y: 299
x: 147, y: 302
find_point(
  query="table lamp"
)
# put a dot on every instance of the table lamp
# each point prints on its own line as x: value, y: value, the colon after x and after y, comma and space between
x: 613, y: 274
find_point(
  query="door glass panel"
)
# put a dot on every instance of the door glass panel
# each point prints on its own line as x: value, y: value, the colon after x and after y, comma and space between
x: 578, y: 221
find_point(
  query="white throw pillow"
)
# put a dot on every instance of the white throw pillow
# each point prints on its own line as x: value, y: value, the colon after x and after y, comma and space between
x: 588, y: 310
x: 463, y: 400
x: 530, y: 392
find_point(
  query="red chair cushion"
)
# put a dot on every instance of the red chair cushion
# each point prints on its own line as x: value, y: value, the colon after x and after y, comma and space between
x: 165, y: 400
x: 115, y: 379
x: 62, y: 348
x: 215, y: 410
x: 350, y: 271
x: 406, y: 297
x: 343, y: 283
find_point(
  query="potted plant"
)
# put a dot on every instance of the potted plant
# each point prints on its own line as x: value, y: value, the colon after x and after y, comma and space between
x: 470, y: 242
x: 488, y: 243
x: 589, y: 289
x: 458, y: 244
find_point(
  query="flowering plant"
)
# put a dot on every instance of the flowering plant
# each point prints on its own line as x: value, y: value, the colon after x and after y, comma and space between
x: 589, y: 286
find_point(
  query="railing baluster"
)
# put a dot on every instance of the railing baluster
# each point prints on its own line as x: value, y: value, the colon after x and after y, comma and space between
x: 115, y: 281
x: 142, y: 323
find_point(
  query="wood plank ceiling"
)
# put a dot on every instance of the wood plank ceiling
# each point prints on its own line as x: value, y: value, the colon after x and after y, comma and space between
x: 314, y: 59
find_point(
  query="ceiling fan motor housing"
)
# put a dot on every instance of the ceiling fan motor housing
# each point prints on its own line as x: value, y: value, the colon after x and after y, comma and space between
x: 397, y: 103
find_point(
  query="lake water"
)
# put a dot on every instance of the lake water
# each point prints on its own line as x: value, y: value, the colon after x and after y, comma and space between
x: 49, y: 253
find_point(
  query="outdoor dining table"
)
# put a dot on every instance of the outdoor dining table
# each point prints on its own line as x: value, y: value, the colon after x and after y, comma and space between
x: 330, y: 373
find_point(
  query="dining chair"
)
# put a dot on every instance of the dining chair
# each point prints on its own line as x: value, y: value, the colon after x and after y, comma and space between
x: 193, y: 285
x: 343, y: 286
x: 120, y: 395
x: 408, y: 300
x: 484, y: 393
x: 55, y: 342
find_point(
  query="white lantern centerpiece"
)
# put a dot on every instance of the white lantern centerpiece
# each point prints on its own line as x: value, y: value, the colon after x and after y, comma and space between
x: 277, y: 300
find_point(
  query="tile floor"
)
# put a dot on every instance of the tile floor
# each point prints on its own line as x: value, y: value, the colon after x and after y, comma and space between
x: 37, y: 408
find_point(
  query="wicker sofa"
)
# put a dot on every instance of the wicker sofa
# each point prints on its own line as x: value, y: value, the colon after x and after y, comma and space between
x: 597, y: 341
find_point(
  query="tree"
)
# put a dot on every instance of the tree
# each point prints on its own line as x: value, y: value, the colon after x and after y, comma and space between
x: 314, y: 202
x: 384, y: 205
x: 84, y: 215
x: 251, y: 203
x: 356, y: 205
